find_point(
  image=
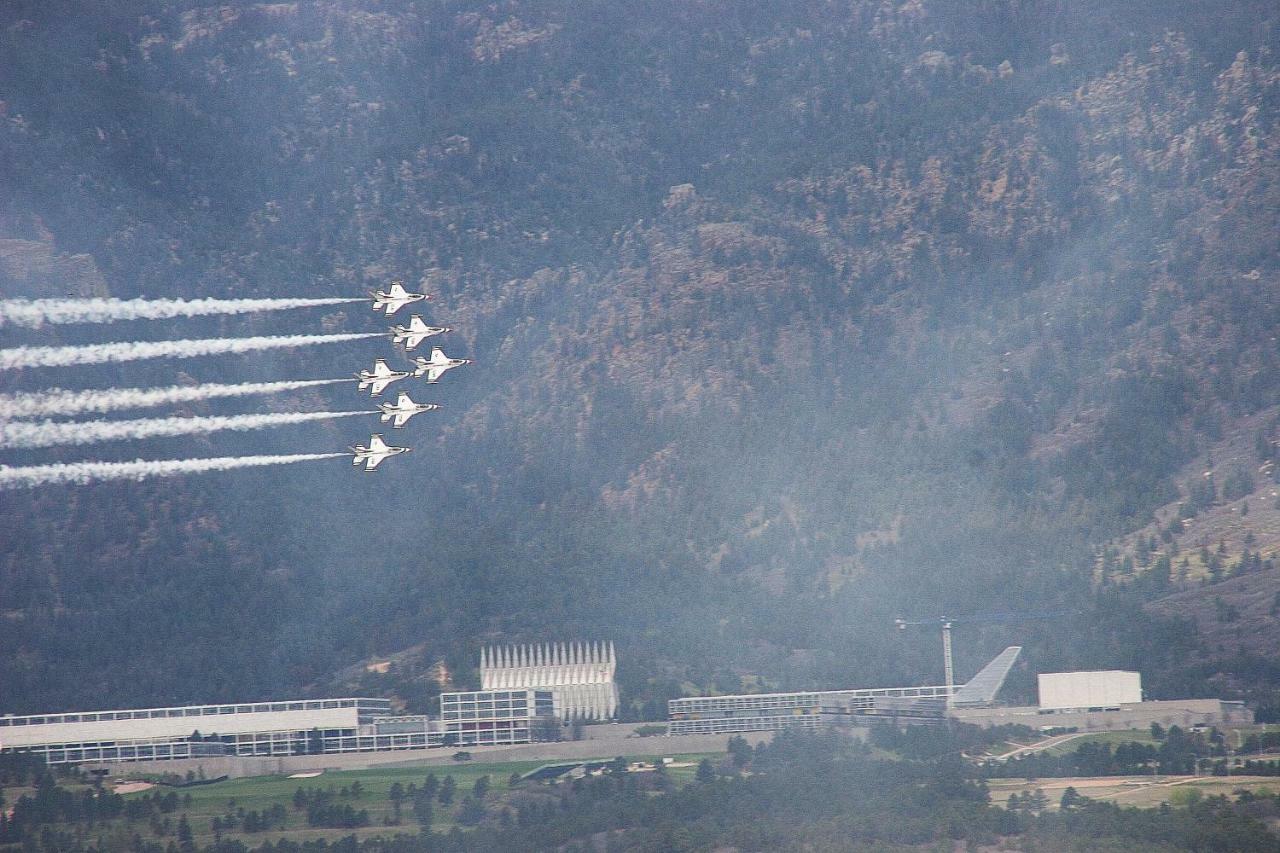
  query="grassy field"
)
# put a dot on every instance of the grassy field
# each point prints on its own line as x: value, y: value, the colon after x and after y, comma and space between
x: 1112, y: 738
x: 261, y: 793
x: 1144, y: 791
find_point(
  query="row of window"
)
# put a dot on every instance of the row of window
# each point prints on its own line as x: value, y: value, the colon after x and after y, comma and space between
x: 783, y: 700
x: 486, y: 706
x: 507, y: 732
x: 142, y: 752
x: 484, y: 696
x: 491, y: 736
x: 741, y: 724
x: 198, y: 711
x: 765, y: 700
x: 145, y: 751
x: 288, y: 737
x: 517, y: 714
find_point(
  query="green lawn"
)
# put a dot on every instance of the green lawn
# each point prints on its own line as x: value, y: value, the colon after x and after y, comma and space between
x: 1113, y: 738
x: 260, y: 793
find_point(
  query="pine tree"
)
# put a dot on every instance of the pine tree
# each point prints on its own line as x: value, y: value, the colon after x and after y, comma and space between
x: 186, y: 839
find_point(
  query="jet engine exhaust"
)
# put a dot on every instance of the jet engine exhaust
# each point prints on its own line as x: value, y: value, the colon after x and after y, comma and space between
x: 28, y: 434
x: 61, y: 401
x: 92, y: 472
x: 34, y: 313
x: 66, y: 356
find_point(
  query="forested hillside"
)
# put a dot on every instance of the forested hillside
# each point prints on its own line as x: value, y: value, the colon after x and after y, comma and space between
x: 788, y: 318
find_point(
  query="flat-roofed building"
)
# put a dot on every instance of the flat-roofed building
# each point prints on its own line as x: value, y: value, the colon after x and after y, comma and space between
x: 490, y: 717
x: 774, y: 711
x: 1089, y: 690
x: 296, y: 727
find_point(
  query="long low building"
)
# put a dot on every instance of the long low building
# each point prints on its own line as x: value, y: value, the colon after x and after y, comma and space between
x: 296, y: 727
x: 810, y: 709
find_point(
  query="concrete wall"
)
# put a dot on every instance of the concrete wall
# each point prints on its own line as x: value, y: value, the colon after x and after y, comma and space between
x: 1140, y: 715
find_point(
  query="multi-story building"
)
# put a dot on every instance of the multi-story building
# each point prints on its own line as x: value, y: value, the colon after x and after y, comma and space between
x: 299, y: 727
x: 490, y: 717
x: 580, y: 676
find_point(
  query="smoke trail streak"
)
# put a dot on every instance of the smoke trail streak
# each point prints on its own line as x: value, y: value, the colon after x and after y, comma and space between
x: 89, y: 472
x: 137, y: 350
x: 34, y: 313
x: 61, y: 401
x: 26, y: 434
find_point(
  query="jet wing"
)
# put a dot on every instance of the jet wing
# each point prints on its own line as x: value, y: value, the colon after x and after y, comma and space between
x: 380, y: 368
x: 376, y: 444
x: 402, y: 417
x: 372, y: 462
x: 434, y: 373
x: 377, y: 386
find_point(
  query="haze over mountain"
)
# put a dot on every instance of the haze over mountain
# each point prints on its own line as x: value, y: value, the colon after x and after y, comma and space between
x: 788, y: 318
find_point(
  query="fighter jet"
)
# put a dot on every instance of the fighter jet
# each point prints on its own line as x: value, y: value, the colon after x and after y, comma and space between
x: 435, y: 367
x: 394, y: 299
x: 379, y: 378
x: 403, y: 409
x: 414, y: 333
x: 377, y: 450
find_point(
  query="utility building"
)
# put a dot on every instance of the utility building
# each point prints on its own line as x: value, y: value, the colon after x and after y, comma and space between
x: 580, y: 676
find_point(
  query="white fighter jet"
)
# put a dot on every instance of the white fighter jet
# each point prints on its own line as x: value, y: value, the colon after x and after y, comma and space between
x: 377, y: 450
x: 403, y: 409
x: 436, y: 366
x: 395, y: 298
x: 416, y: 332
x: 379, y: 378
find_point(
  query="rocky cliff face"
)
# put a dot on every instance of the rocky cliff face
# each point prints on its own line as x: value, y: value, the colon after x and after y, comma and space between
x: 786, y: 319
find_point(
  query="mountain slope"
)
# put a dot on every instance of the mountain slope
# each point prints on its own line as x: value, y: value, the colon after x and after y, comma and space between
x: 786, y: 320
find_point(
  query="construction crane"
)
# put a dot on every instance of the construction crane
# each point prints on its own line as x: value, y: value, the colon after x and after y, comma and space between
x: 948, y: 670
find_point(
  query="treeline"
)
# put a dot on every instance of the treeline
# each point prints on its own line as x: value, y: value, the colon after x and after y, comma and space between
x: 805, y: 791
x: 52, y: 804
x: 934, y: 741
x: 1178, y: 752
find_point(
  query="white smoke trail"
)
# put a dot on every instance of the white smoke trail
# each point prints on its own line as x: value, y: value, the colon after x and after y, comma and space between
x: 89, y: 472
x: 28, y: 434
x: 35, y: 313
x: 136, y: 350
x: 60, y: 401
